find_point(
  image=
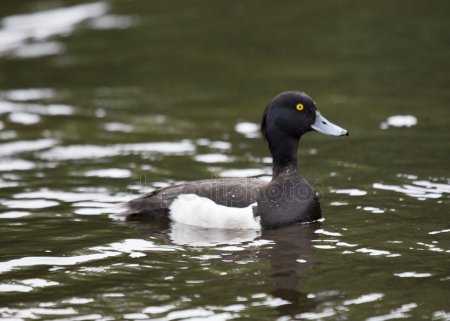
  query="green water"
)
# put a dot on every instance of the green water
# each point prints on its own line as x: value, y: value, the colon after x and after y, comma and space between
x: 103, y: 101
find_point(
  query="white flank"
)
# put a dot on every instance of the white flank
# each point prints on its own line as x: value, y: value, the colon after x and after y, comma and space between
x: 199, y: 211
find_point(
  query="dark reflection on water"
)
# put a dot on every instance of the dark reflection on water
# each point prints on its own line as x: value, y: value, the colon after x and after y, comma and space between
x: 291, y: 258
x: 287, y: 252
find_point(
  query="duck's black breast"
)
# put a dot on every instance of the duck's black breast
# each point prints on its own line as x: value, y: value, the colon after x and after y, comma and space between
x: 287, y: 199
x: 233, y: 192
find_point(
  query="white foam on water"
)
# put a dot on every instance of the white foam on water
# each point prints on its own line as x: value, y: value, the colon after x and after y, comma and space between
x: 350, y: 191
x: 127, y: 246
x: 84, y: 202
x: 8, y: 134
x: 28, y: 261
x: 39, y: 283
x: 216, y: 144
x: 28, y: 94
x: 190, y: 314
x: 113, y: 295
x: 325, y: 232
x: 249, y: 130
x: 112, y: 22
x: 213, y: 158
x: 91, y: 211
x: 109, y: 173
x: 29, y: 113
x: 20, y: 31
x: 373, y: 252
x: 24, y: 118
x: 345, y: 244
x: 30, y: 203
x: 438, y: 187
x: 8, y: 287
x: 400, y: 313
x: 271, y: 301
x: 135, y: 316
x: 399, y: 121
x: 7, y: 165
x: 6, y: 184
x: 374, y: 210
x: 338, y: 203
x: 44, y: 24
x: 174, y: 148
x: 131, y: 246
x: 421, y: 189
x: 78, y: 301
x: 40, y: 49
x: 71, y: 196
x: 439, y: 232
x: 365, y: 298
x: 441, y: 315
x: 26, y: 146
x: 77, y: 152
x: 326, y: 313
x: 51, y: 109
x: 413, y: 275
x: 7, y: 107
x: 118, y: 127
x: 14, y: 214
x: 159, y: 309
x: 14, y: 314
x: 324, y: 247
x: 109, y: 209
x: 431, y: 247
x: 28, y: 35
x: 91, y: 204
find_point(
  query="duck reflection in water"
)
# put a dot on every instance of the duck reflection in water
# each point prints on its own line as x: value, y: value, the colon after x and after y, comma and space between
x: 287, y: 252
x: 290, y: 257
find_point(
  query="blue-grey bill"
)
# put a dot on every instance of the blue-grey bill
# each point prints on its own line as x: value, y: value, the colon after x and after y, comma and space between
x: 324, y: 126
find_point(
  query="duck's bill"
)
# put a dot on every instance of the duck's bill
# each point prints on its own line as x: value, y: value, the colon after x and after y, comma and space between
x: 324, y: 126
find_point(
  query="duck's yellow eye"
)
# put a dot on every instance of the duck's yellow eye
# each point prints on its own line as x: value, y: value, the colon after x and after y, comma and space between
x: 300, y: 107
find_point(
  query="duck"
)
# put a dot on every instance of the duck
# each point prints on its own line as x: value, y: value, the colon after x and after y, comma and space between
x: 250, y: 202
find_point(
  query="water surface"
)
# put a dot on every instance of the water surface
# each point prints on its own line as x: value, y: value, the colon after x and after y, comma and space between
x: 103, y: 101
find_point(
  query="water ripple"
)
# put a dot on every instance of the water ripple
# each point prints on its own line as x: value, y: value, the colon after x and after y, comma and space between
x: 421, y: 189
x: 77, y: 152
x: 52, y: 261
x: 413, y: 275
x: 399, y: 313
x: 131, y: 247
x: 350, y: 191
x: 23, y: 146
x: 27, y: 35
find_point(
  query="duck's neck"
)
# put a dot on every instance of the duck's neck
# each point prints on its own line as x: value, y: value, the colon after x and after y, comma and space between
x: 284, y: 153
